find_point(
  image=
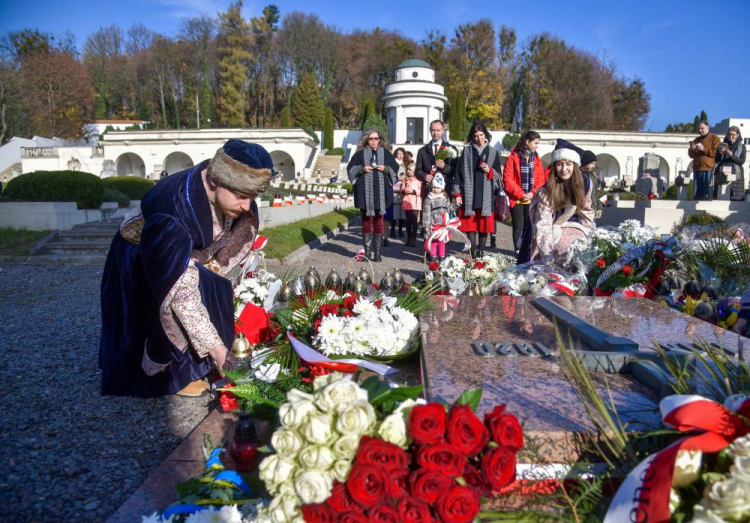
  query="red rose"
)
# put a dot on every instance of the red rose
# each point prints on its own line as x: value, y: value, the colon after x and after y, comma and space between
x: 466, y: 432
x: 381, y: 453
x: 499, y: 466
x: 459, y: 505
x: 601, y: 263
x: 383, y: 514
x: 428, y: 485
x: 479, y: 265
x: 329, y: 308
x: 318, y: 513
x: 427, y: 423
x: 399, y: 486
x: 442, y: 457
x: 504, y: 428
x: 433, y: 266
x: 350, y: 301
x: 341, y: 501
x: 627, y: 270
x: 475, y: 479
x: 411, y: 510
x: 228, y: 400
x: 368, y: 484
x: 353, y: 517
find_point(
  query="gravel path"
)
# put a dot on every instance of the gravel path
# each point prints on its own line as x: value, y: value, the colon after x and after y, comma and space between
x: 337, y: 252
x: 66, y: 453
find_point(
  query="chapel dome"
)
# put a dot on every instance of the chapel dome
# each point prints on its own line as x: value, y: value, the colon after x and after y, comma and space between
x: 414, y: 62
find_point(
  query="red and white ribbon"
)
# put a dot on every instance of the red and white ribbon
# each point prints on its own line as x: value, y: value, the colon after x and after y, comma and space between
x: 310, y: 355
x: 360, y: 256
x: 563, y: 287
x: 255, y: 254
x: 711, y: 426
x: 442, y: 232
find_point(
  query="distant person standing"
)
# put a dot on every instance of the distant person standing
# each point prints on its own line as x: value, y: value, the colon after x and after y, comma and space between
x: 588, y: 168
x: 427, y: 164
x: 524, y: 175
x: 703, y: 152
x: 730, y: 157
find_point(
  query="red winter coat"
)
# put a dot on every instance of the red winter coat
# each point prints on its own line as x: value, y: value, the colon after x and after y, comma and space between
x: 512, y: 177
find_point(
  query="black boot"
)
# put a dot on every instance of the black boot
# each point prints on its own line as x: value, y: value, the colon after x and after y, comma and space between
x: 386, y: 243
x: 429, y: 257
x: 366, y: 241
x: 377, y: 244
x: 393, y: 229
x: 401, y: 229
x: 493, y: 242
x: 473, y: 242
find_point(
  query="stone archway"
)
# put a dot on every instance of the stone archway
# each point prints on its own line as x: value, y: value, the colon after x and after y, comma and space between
x: 284, y: 163
x: 177, y: 162
x: 130, y: 164
x: 651, y: 164
x: 607, y: 168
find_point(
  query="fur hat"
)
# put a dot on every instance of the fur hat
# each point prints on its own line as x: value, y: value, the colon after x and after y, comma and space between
x: 438, y: 181
x: 242, y: 166
x: 587, y: 157
x: 564, y: 150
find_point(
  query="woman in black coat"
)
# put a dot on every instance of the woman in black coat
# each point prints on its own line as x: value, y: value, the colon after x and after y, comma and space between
x: 729, y: 159
x: 372, y: 170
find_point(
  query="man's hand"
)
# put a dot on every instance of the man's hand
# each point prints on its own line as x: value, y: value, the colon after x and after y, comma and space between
x: 699, y: 146
x: 428, y: 178
x: 368, y: 169
x: 459, y: 201
x: 219, y: 357
x: 440, y: 164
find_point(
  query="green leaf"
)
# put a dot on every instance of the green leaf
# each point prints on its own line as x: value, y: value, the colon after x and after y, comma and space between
x: 234, y: 375
x: 266, y: 449
x: 470, y: 397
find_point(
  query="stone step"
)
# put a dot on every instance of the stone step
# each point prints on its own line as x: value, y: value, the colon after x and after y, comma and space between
x: 87, y: 235
x: 77, y: 247
x: 67, y: 259
x: 326, y: 164
x: 97, y: 226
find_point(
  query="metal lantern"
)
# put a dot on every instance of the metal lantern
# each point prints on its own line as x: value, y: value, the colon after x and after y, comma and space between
x: 477, y: 290
x: 350, y: 281
x: 313, y: 273
x: 673, y: 282
x: 241, y: 347
x: 692, y: 289
x: 365, y: 276
x: 705, y: 311
x: 398, y: 277
x: 244, y: 446
x: 285, y: 293
x: 471, y: 291
x: 298, y: 286
x: 312, y: 280
x: 360, y: 287
x: 388, y: 283
x: 333, y: 281
x: 711, y: 293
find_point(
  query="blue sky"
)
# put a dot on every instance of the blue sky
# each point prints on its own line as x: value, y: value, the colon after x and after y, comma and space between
x: 690, y: 54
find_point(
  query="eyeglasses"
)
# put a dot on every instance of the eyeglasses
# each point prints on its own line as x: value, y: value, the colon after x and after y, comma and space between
x: 373, y: 139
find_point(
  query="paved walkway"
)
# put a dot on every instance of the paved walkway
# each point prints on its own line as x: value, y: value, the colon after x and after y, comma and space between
x: 337, y: 253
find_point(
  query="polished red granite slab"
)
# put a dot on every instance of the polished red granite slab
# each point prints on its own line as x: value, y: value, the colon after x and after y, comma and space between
x: 537, y: 390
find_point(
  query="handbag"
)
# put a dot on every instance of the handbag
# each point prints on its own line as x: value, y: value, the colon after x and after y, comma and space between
x: 721, y: 177
x: 502, y: 205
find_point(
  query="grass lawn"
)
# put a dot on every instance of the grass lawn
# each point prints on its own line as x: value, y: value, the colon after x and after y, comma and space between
x: 15, y: 242
x: 284, y: 240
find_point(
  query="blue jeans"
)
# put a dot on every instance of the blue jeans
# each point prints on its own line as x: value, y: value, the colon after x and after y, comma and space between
x: 702, y: 185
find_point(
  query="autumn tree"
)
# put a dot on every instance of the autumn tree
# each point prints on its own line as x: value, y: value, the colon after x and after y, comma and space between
x: 262, y: 69
x: 308, y: 110
x: 234, y: 58
x: 57, y: 93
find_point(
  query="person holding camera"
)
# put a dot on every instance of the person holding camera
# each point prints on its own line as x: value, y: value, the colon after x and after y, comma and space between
x: 730, y: 156
x: 703, y: 152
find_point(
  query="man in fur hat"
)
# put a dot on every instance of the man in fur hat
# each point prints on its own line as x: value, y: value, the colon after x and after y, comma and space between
x: 167, y: 310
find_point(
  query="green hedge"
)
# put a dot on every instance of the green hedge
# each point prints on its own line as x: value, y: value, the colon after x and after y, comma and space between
x: 57, y: 186
x: 627, y: 195
x: 349, y: 187
x: 671, y: 192
x: 704, y: 218
x: 113, y: 195
x: 336, y: 151
x: 131, y: 186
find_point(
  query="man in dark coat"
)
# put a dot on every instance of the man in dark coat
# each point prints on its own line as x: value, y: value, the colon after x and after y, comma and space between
x: 166, y: 294
x: 428, y: 166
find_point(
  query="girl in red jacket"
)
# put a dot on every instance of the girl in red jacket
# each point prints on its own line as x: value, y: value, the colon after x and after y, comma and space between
x: 524, y: 175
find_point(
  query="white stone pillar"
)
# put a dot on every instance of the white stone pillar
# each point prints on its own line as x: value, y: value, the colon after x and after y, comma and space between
x: 400, y: 134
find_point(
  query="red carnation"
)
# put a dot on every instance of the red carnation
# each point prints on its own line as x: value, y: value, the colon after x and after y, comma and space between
x: 601, y: 263
x: 427, y: 423
x: 347, y: 314
x: 412, y: 510
x: 434, y: 266
x: 383, y: 514
x: 479, y: 265
x: 341, y: 501
x: 381, y: 453
x: 627, y: 270
x: 318, y: 513
x: 228, y: 400
x: 350, y: 301
x: 442, y: 457
x: 329, y: 308
x: 459, y: 505
x: 428, y: 485
x: 316, y: 324
x: 399, y: 487
x: 499, y: 466
x: 504, y: 428
x: 475, y: 479
x: 368, y: 484
x: 466, y: 432
x: 353, y: 517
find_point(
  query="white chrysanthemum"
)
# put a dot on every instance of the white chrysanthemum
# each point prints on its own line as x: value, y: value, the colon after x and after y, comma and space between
x: 226, y: 514
x: 363, y: 306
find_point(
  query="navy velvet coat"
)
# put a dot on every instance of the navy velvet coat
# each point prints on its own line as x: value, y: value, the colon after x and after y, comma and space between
x: 137, y: 279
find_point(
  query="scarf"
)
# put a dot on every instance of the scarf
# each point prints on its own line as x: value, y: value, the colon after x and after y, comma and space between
x: 527, y: 172
x: 371, y: 179
x: 471, y: 157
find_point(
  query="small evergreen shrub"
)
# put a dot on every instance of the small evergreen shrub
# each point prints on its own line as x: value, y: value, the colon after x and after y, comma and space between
x: 57, y: 186
x: 113, y: 195
x: 704, y: 218
x: 133, y: 187
x: 336, y: 151
x: 349, y: 187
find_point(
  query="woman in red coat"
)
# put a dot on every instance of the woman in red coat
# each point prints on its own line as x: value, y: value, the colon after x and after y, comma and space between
x: 524, y: 175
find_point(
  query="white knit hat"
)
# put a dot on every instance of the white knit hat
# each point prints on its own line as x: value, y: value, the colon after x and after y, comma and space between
x: 438, y: 181
x: 566, y: 154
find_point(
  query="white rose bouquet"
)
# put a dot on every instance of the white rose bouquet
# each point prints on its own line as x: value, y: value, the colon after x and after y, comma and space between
x: 253, y: 289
